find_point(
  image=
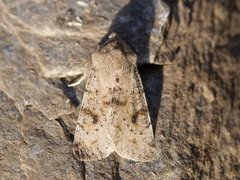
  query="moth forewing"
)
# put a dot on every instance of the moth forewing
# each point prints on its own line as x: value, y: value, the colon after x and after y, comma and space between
x: 114, y: 114
x: 133, y: 125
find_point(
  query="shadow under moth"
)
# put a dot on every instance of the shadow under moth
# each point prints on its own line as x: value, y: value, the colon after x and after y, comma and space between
x: 114, y: 114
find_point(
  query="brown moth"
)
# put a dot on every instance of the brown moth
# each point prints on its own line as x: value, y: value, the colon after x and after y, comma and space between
x: 114, y: 115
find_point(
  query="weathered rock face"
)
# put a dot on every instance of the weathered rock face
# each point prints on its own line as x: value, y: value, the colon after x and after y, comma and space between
x: 194, y: 102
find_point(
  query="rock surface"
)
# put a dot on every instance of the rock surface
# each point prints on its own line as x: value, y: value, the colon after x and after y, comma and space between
x: 194, y: 101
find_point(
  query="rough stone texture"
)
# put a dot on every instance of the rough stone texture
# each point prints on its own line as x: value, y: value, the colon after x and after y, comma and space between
x: 194, y: 101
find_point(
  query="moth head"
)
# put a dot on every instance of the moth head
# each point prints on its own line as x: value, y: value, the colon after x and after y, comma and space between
x: 114, y: 47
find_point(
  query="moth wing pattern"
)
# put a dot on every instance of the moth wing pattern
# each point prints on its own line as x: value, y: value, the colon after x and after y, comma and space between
x: 134, y: 137
x: 91, y: 140
x: 114, y: 114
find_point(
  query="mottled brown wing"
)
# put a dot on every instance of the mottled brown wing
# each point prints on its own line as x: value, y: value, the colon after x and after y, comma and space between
x: 132, y: 133
x: 92, y: 140
x: 114, y: 114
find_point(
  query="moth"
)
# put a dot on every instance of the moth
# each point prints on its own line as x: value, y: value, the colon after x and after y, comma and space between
x: 114, y: 115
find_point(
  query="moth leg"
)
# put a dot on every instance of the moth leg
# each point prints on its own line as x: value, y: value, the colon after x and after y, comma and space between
x: 81, y: 78
x: 76, y: 81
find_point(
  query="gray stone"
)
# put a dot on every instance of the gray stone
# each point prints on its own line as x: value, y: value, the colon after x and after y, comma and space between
x: 193, y: 102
